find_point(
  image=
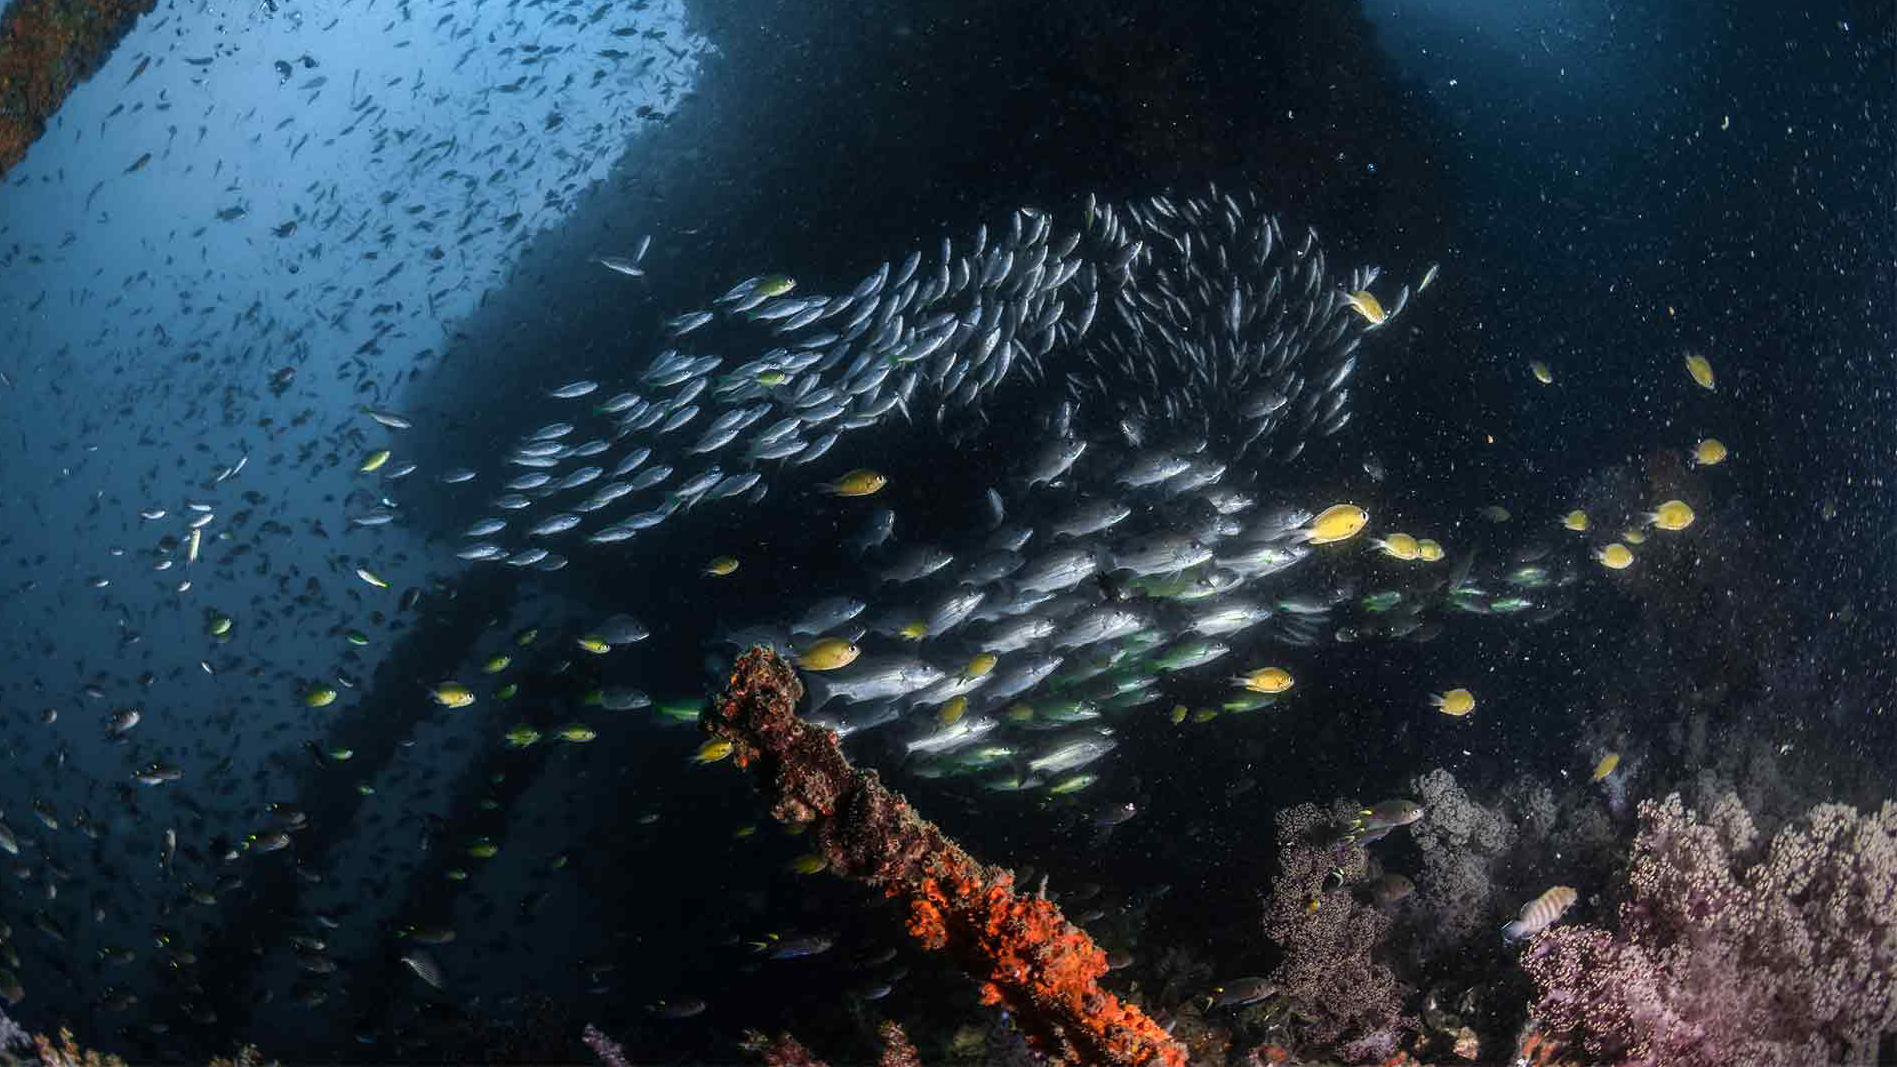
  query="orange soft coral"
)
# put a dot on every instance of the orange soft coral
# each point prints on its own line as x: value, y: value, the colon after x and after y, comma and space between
x: 1024, y: 953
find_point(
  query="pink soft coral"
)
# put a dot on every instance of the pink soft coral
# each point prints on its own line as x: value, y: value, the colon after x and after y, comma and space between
x: 1791, y: 959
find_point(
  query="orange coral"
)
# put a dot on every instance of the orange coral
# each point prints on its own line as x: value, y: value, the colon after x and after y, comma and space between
x: 1538, y: 1049
x: 1024, y: 953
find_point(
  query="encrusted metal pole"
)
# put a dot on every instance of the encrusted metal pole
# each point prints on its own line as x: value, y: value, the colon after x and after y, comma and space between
x: 1028, y: 958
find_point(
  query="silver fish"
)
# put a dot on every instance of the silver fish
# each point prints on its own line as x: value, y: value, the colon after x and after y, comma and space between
x: 573, y: 390
x: 872, y: 678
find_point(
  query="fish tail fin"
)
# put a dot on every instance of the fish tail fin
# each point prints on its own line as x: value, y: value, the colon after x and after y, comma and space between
x: 1021, y: 769
x: 899, y: 753
x: 1004, y: 591
x: 820, y: 692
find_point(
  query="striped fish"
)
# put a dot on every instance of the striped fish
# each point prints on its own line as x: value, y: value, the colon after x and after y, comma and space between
x: 1540, y: 913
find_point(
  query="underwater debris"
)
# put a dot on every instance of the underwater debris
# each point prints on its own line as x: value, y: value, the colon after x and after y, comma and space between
x: 1027, y: 956
x: 47, y: 47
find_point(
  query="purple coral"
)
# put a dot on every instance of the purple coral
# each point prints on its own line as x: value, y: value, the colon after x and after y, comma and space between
x: 1328, y: 937
x: 12, y: 1036
x: 608, y: 1050
x: 1791, y: 959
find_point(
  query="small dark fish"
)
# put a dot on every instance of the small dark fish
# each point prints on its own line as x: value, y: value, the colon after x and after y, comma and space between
x: 121, y: 721
x: 677, y: 1007
x: 425, y: 967
x: 1381, y: 819
x: 794, y: 947
x: 1239, y: 992
x: 1391, y: 888
x: 139, y: 163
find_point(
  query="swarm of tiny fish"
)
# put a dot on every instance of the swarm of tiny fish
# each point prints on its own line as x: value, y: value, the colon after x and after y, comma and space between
x: 1195, y: 311
x: 1130, y: 561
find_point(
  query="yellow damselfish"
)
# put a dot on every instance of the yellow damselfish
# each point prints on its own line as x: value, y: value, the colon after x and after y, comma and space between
x: 1339, y: 522
x: 1700, y: 369
x: 1457, y: 702
x: 1399, y: 546
x: 828, y: 654
x: 1368, y: 306
x: 1615, y: 557
x: 453, y: 695
x: 1266, y: 680
x: 1606, y: 766
x: 1673, y: 515
x: 860, y: 482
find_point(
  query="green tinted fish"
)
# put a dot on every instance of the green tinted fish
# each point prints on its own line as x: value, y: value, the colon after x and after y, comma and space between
x: 1073, y: 783
x: 1188, y: 654
x: 1382, y: 601
x: 680, y: 710
x: 452, y: 695
x: 1248, y: 701
x: 774, y: 285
